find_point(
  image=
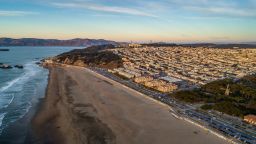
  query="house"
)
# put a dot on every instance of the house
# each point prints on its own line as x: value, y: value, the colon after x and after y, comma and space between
x: 250, y: 119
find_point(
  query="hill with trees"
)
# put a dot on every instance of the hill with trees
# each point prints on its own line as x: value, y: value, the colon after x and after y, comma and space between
x: 231, y: 96
x: 96, y: 56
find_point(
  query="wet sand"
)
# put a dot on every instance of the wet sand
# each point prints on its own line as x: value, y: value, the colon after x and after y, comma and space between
x: 82, y: 107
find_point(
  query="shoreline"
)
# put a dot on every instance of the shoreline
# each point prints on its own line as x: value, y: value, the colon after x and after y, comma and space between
x: 32, y: 137
x: 20, y: 131
x: 55, y: 117
x: 69, y: 109
x: 37, y: 135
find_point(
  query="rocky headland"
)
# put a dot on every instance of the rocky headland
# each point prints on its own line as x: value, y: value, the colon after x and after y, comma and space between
x: 96, y: 56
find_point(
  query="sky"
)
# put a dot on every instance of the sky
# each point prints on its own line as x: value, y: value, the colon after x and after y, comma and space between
x: 179, y: 21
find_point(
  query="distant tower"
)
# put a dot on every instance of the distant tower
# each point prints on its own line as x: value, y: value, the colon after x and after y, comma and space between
x: 227, y: 92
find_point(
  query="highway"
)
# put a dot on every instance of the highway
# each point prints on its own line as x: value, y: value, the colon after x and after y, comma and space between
x: 231, y: 130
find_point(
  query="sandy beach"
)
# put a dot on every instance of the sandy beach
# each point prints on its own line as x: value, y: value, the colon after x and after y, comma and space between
x: 82, y: 107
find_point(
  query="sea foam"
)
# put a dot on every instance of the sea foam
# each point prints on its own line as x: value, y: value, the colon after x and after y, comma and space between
x: 30, y: 71
x: 2, y: 115
x: 14, y: 87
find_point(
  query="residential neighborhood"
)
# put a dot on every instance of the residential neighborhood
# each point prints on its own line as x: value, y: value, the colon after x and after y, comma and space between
x: 194, y: 65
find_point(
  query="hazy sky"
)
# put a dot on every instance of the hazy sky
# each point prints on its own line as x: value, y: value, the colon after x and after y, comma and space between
x: 126, y: 20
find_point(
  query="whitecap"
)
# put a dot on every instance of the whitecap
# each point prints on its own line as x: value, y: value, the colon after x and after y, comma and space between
x: 9, y: 84
x: 9, y: 102
x: 30, y: 71
x: 2, y: 115
x: 6, y: 100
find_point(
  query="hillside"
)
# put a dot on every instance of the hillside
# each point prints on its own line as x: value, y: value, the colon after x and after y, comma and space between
x: 240, y: 100
x: 97, y: 56
x: 53, y: 42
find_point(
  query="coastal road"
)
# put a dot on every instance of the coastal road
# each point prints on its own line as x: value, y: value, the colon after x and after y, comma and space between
x: 83, y: 107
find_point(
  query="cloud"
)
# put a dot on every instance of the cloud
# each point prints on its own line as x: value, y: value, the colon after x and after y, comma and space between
x: 15, y: 13
x: 103, y: 8
x: 104, y: 15
x: 204, y: 2
x: 216, y: 8
x: 223, y: 11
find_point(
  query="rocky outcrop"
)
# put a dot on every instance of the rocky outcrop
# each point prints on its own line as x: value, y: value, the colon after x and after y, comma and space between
x: 19, y: 66
x: 5, y: 66
x: 79, y: 63
x: 38, y: 63
x: 4, y: 50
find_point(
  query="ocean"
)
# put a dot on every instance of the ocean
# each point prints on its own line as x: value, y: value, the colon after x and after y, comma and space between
x: 21, y: 88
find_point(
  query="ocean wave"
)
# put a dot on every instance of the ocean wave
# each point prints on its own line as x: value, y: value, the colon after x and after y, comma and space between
x: 30, y: 71
x: 15, y: 88
x: 6, y: 100
x: 9, y: 102
x: 25, y: 110
x: 9, y: 84
x: 2, y: 115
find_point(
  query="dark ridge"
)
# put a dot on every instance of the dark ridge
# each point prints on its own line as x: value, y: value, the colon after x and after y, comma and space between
x: 53, y: 42
x: 160, y: 44
x: 235, y: 46
x: 222, y: 46
x: 194, y: 45
x: 199, y: 45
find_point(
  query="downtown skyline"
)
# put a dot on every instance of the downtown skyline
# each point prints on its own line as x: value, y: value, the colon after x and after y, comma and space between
x: 181, y: 21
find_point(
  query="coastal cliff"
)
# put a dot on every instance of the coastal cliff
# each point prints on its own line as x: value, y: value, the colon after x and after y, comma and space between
x: 97, y: 56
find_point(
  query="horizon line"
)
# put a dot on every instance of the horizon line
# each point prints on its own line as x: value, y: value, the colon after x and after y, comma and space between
x: 140, y: 42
